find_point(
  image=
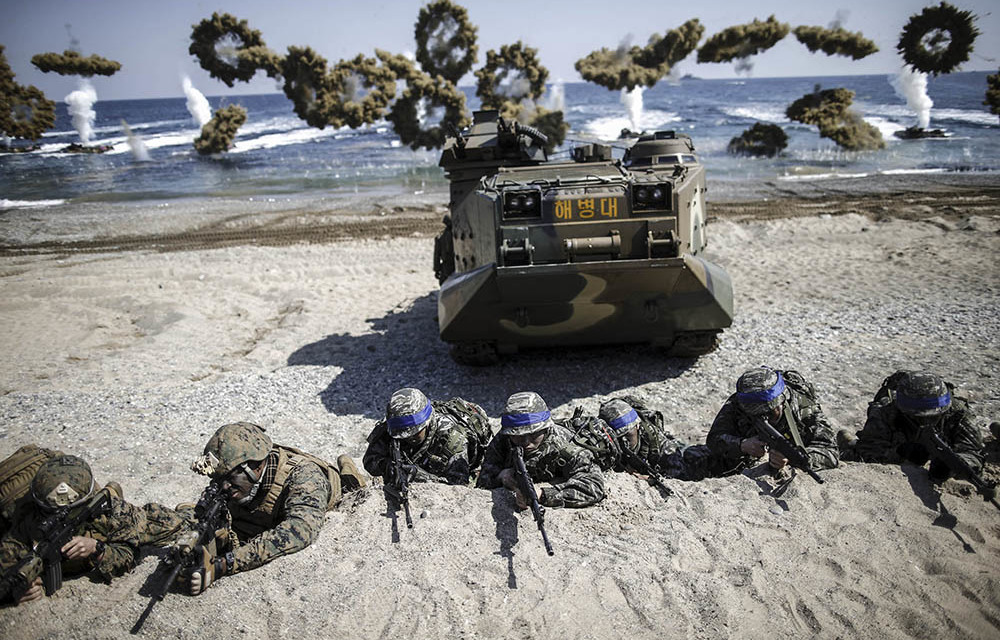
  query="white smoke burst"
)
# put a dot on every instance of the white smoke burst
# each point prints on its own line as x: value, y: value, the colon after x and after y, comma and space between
x: 80, y: 104
x: 555, y: 97
x: 912, y: 86
x: 633, y: 103
x: 135, y: 143
x: 197, y: 105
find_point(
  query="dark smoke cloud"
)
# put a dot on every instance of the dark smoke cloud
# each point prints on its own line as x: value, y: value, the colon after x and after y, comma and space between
x: 411, y: 115
x: 829, y: 109
x: 229, y: 50
x: 446, y: 40
x: 25, y: 112
x: 514, y: 73
x: 759, y: 140
x: 71, y: 63
x: 218, y: 134
x: 938, y: 39
x: 743, y: 41
x: 993, y: 93
x: 628, y: 67
x: 835, y: 42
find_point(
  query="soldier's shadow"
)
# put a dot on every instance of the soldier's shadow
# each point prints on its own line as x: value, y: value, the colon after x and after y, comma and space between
x: 403, y: 349
x: 506, y: 531
x: 930, y: 495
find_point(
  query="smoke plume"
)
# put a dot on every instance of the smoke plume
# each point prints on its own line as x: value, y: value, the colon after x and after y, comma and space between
x: 80, y: 104
x: 911, y: 85
x: 633, y: 103
x: 135, y: 143
x: 197, y: 105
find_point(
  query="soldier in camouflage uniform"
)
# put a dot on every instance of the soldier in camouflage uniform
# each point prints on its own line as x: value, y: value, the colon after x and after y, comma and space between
x: 106, y: 546
x: 788, y: 403
x: 433, y: 446
x: 907, y: 402
x: 644, y: 435
x: 278, y: 498
x: 549, y: 456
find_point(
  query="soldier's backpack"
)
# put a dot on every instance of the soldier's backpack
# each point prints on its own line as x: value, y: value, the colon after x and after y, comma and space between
x: 595, y: 436
x: 473, y: 420
x: 16, y: 473
x: 795, y: 380
x: 651, y: 416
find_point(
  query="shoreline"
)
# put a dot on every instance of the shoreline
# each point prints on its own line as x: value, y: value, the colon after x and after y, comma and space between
x: 201, y: 223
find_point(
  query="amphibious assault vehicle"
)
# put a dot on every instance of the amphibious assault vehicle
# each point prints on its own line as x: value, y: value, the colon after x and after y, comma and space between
x: 591, y: 251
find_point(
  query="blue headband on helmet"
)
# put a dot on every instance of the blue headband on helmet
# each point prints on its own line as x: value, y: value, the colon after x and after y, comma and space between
x: 767, y: 395
x: 523, y: 419
x: 625, y: 420
x: 400, y: 423
x: 908, y: 403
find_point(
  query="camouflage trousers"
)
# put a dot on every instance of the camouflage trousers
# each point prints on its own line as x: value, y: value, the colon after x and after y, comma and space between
x: 163, y: 524
x: 690, y: 463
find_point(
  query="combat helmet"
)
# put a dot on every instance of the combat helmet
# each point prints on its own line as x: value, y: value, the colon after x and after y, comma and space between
x: 760, y: 390
x: 922, y: 395
x: 65, y: 481
x: 619, y: 415
x: 525, y: 413
x: 231, y: 446
x: 407, y: 412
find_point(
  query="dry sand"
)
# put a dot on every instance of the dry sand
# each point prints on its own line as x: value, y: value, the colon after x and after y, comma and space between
x: 130, y: 338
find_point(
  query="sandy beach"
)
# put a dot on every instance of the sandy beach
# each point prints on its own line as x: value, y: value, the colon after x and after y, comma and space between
x: 130, y: 336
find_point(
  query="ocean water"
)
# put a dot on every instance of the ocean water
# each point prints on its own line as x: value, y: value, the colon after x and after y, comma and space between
x: 278, y: 155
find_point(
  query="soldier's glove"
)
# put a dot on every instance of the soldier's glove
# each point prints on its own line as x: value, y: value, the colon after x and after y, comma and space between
x: 211, y: 569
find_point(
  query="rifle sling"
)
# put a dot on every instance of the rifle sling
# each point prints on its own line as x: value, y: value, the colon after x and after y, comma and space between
x: 792, y: 428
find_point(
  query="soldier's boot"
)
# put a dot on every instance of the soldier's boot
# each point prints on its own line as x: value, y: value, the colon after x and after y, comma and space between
x: 350, y: 477
x: 115, y: 489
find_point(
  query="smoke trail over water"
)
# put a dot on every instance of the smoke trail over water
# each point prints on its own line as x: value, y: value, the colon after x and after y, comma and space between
x: 633, y: 103
x: 197, y: 105
x: 80, y: 104
x: 555, y: 97
x: 912, y: 86
x: 135, y: 143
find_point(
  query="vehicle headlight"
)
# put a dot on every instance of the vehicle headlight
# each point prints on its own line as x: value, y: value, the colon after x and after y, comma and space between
x: 522, y: 204
x: 651, y: 196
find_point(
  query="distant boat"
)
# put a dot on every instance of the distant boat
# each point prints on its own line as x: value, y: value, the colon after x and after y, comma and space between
x: 688, y: 76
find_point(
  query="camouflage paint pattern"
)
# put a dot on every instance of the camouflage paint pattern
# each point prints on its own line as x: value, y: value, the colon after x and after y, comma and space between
x: 576, y: 480
x: 589, y: 265
x: 120, y: 530
x: 733, y: 424
x: 888, y: 432
x: 441, y: 457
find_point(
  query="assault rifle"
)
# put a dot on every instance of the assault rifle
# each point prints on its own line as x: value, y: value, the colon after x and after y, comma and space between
x: 940, y: 450
x: 188, y: 552
x: 46, y: 558
x: 796, y: 455
x: 528, y: 490
x: 401, y: 484
x: 635, y: 461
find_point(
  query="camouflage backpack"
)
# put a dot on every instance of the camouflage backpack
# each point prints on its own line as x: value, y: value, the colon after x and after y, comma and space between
x: 595, y: 436
x: 795, y: 380
x: 470, y: 417
x: 16, y: 473
x: 651, y: 416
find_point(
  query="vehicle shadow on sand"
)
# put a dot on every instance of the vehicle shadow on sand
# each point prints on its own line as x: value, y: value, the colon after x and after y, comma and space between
x: 403, y: 350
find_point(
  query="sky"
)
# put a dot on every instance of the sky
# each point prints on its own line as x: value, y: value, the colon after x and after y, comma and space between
x: 150, y: 37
